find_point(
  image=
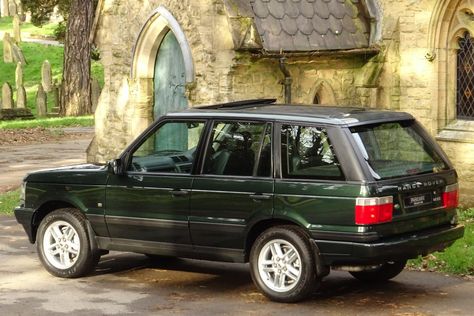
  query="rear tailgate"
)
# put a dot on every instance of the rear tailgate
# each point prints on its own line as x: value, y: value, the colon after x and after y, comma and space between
x: 417, y: 203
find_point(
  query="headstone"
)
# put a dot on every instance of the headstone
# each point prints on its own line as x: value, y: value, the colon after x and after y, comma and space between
x: 4, y: 7
x: 21, y: 98
x: 41, y: 102
x: 17, y: 28
x: 21, y: 13
x: 57, y: 97
x: 12, y: 10
x: 7, y: 48
x: 46, y: 76
x: 95, y: 94
x: 18, y: 55
x: 7, y: 96
x: 19, y: 75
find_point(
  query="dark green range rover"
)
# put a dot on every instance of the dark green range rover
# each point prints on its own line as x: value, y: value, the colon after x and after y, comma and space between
x: 294, y: 190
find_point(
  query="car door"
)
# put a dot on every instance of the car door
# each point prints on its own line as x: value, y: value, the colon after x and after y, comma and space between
x: 150, y: 201
x: 234, y: 189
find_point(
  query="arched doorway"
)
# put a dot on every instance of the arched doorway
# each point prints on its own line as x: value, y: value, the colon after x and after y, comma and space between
x: 169, y: 78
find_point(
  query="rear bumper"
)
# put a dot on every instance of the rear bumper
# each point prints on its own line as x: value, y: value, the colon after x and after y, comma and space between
x: 24, y: 216
x: 400, y: 247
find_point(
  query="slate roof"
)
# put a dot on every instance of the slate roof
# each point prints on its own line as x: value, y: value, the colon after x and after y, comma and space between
x: 309, y: 25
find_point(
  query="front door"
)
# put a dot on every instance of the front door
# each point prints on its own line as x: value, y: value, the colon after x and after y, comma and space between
x: 170, y: 78
x: 150, y: 202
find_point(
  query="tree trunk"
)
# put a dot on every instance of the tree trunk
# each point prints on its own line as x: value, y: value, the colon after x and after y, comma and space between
x: 76, y: 88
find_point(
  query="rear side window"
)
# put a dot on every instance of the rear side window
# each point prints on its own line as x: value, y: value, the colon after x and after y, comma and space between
x: 239, y: 149
x: 396, y: 149
x: 307, y: 153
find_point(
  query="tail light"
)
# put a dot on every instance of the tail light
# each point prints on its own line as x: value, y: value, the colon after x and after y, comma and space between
x: 451, y: 196
x: 373, y: 210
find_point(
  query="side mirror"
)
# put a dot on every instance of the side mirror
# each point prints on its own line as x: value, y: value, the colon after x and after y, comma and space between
x: 116, y: 167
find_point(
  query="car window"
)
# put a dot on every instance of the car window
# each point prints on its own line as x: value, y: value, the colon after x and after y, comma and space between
x: 172, y: 148
x: 239, y: 149
x: 396, y: 149
x: 308, y: 154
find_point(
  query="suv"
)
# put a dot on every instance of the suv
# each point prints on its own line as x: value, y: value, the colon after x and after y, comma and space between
x: 294, y: 190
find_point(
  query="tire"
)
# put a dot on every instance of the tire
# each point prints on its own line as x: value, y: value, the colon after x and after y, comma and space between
x: 63, y: 244
x: 381, y: 274
x: 282, y: 264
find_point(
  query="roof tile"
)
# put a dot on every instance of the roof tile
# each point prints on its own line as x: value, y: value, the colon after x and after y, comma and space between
x: 331, y: 41
x: 335, y: 25
x: 321, y: 9
x: 337, y: 9
x: 291, y: 9
x: 348, y: 24
x: 276, y: 9
x: 305, y: 25
x: 260, y: 9
x: 306, y: 9
x: 320, y: 25
x: 300, y: 41
x: 272, y: 25
x: 316, y: 41
x: 289, y: 25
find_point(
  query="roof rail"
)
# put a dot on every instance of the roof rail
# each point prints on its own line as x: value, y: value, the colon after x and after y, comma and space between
x: 236, y: 104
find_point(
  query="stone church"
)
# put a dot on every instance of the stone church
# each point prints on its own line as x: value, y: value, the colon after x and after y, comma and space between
x: 409, y: 55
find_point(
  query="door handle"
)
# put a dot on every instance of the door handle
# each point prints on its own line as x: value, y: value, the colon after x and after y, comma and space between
x: 178, y: 193
x: 260, y: 197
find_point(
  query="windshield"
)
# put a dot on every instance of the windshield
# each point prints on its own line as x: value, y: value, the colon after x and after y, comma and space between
x: 396, y: 149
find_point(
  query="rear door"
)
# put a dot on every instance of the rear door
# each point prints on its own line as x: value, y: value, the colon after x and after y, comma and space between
x: 234, y: 189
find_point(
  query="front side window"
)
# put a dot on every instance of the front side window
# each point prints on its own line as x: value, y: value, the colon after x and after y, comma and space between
x: 171, y: 149
x: 396, y: 149
x: 308, y: 154
x: 465, y: 78
x: 239, y: 149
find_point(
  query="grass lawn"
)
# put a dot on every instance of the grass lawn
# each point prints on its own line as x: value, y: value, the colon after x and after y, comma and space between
x: 49, y: 122
x: 8, y: 201
x: 457, y: 259
x: 6, y: 25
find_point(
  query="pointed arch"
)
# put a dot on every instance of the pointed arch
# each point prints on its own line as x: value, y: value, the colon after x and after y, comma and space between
x: 148, y: 43
x: 323, y: 93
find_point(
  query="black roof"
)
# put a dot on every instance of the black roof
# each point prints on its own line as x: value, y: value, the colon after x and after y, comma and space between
x: 311, y: 113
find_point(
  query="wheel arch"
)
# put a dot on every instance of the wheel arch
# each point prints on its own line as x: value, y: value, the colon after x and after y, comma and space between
x: 261, y: 226
x: 46, y: 208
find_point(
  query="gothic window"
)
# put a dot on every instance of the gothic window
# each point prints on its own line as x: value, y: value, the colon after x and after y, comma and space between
x: 465, y: 78
x: 316, y: 99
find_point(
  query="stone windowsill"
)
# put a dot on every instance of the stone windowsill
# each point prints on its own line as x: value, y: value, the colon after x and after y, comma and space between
x: 461, y: 131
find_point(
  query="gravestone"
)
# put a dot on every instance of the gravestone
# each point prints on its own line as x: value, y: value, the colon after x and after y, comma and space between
x: 46, y: 76
x: 7, y: 96
x: 21, y: 98
x: 18, y: 55
x: 12, y: 9
x: 95, y: 94
x: 19, y: 75
x: 21, y: 12
x: 17, y: 29
x: 7, y: 48
x: 4, y: 7
x: 41, y: 102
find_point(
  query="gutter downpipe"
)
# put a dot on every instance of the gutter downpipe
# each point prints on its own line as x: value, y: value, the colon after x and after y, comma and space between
x: 287, y: 81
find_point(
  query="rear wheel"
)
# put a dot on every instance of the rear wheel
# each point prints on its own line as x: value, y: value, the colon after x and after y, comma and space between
x: 282, y: 264
x: 383, y: 273
x: 63, y: 244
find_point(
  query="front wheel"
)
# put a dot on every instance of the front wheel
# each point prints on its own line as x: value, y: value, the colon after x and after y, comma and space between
x: 63, y: 244
x: 282, y: 264
x: 384, y: 272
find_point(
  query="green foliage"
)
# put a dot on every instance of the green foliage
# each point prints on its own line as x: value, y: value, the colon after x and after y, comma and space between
x: 41, y: 10
x: 60, y: 32
x: 49, y: 122
x: 457, y: 259
x: 8, y: 201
